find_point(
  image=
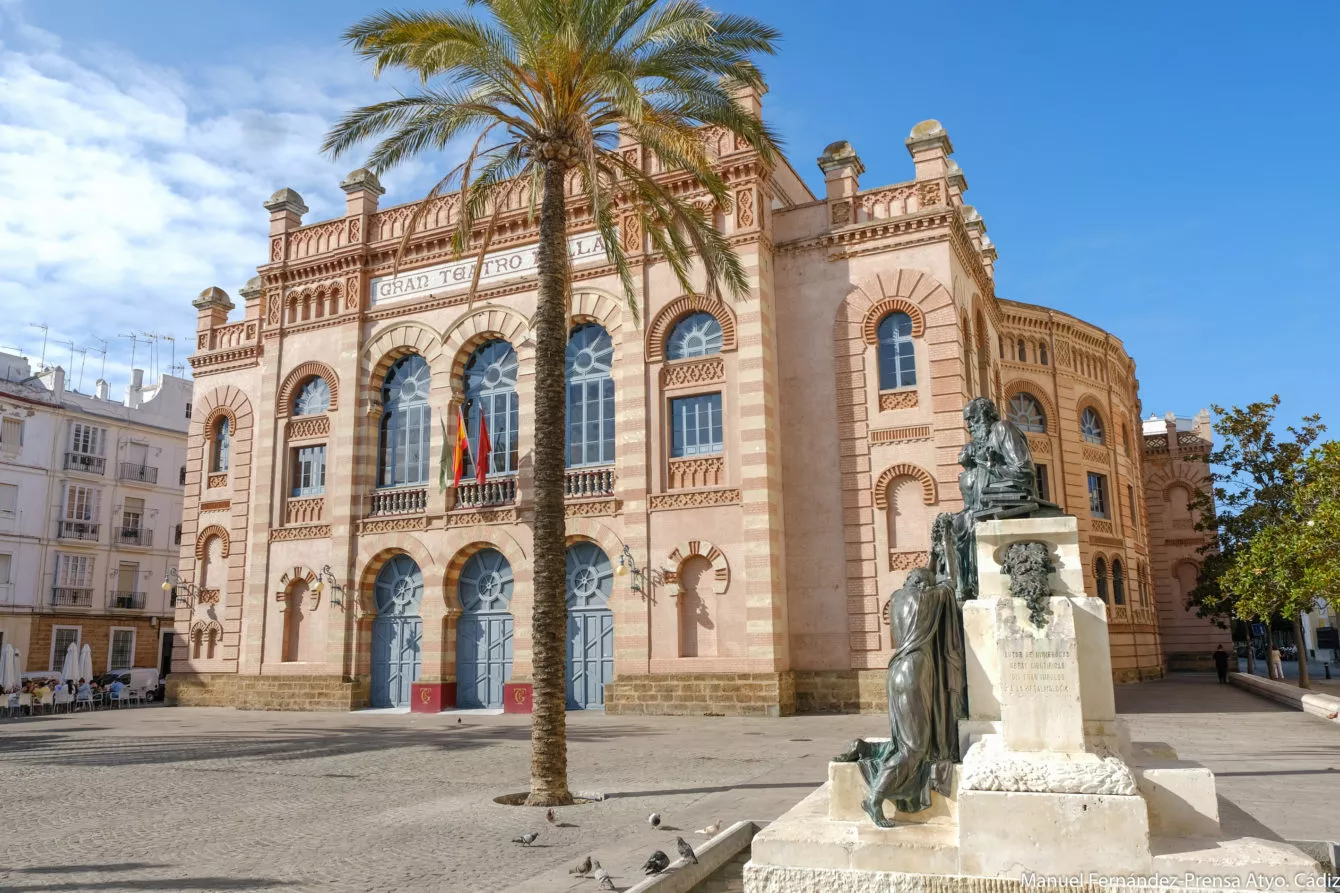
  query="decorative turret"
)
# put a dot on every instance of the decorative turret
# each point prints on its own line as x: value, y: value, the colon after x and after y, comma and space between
x: 930, y: 149
x: 842, y: 170
x: 286, y: 208
x: 362, y: 189
x: 212, y: 308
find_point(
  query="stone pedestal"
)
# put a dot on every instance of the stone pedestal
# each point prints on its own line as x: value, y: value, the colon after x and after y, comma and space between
x: 1049, y: 786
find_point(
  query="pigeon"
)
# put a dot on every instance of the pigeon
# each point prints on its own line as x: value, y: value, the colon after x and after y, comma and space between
x: 583, y: 867
x: 526, y: 839
x: 685, y: 851
x: 654, y: 820
x: 710, y: 830
x: 656, y: 863
x: 551, y: 816
x: 603, y: 877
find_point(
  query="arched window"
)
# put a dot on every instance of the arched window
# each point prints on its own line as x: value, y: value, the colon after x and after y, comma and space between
x: 292, y: 642
x: 1100, y: 576
x: 1000, y: 343
x: 406, y: 431
x: 197, y: 640
x: 223, y: 440
x: 1026, y: 412
x: 1042, y: 353
x: 897, y: 361
x: 908, y: 525
x: 313, y: 398
x: 1125, y: 439
x: 1023, y: 351
x: 696, y: 335
x: 490, y: 392
x: 590, y: 410
x: 1091, y: 425
x: 1118, y: 583
x: 1179, y: 503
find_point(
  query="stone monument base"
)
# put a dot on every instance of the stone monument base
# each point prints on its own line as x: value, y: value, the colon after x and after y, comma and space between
x: 1050, y: 790
x: 1005, y: 841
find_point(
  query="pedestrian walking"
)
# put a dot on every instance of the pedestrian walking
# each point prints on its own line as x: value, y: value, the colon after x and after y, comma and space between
x: 1221, y: 664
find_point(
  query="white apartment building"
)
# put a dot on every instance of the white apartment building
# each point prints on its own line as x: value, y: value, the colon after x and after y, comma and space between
x: 90, y: 516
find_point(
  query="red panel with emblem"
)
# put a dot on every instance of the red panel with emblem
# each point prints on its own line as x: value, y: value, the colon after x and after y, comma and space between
x: 426, y: 697
x: 517, y: 697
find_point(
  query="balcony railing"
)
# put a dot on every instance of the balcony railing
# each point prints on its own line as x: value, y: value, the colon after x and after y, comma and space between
x: 77, y: 530
x: 584, y: 483
x: 128, y: 601
x: 400, y: 501
x: 134, y: 536
x: 85, y: 463
x: 497, y: 491
x: 144, y: 474
x: 67, y: 595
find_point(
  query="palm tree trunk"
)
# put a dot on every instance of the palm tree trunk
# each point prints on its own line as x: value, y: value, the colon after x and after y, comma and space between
x: 548, y: 732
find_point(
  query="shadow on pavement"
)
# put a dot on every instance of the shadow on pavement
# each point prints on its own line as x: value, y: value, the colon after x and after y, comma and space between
x: 1190, y: 693
x: 78, y: 749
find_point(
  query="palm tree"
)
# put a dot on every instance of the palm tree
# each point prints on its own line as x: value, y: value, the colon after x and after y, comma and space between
x: 538, y: 89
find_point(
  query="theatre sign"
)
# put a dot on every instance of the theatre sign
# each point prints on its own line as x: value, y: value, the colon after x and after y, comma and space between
x: 498, y: 266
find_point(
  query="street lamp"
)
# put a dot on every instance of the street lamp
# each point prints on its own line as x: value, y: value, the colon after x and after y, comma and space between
x: 181, y: 590
x: 628, y: 564
x: 326, y: 577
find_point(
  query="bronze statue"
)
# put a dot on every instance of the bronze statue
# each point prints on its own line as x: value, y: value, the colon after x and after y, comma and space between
x: 927, y: 676
x: 1029, y: 564
x: 926, y: 701
x: 998, y: 480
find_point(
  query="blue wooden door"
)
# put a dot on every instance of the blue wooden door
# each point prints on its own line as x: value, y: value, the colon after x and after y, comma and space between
x: 484, y: 632
x: 397, y: 633
x: 590, y: 626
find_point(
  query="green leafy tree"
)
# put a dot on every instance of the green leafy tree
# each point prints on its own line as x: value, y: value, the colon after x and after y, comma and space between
x: 538, y: 89
x: 1255, y: 508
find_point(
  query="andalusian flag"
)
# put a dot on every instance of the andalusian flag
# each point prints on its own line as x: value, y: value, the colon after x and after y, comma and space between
x: 462, y: 448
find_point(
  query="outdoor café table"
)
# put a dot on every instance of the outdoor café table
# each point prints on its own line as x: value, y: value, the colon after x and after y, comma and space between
x: 26, y: 700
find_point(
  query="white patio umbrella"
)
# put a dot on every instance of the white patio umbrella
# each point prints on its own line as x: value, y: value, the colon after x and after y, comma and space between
x: 70, y: 667
x: 85, y: 663
x: 16, y: 667
x: 8, y: 677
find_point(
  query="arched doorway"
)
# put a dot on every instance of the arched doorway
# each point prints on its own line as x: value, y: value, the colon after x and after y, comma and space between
x: 397, y: 633
x: 484, y: 635
x: 293, y: 619
x: 590, y: 626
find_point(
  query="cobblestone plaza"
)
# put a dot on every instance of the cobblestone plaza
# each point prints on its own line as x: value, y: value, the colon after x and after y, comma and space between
x: 205, y: 799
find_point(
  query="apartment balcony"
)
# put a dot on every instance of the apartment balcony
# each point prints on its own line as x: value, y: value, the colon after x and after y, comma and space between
x: 128, y: 601
x: 140, y: 474
x: 495, y: 491
x: 86, y: 464
x: 400, y: 501
x: 70, y: 596
x: 588, y: 483
x: 77, y: 530
x: 134, y: 536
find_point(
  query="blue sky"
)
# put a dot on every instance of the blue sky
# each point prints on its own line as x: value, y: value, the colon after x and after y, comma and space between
x: 1164, y: 170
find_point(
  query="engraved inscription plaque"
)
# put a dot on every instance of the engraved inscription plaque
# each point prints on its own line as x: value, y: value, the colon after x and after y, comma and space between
x: 1039, y: 681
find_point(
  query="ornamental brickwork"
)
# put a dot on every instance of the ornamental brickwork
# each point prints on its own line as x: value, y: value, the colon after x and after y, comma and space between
x: 772, y: 425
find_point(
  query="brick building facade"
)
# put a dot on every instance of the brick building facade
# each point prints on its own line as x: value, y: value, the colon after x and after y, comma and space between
x: 767, y: 469
x: 1175, y: 470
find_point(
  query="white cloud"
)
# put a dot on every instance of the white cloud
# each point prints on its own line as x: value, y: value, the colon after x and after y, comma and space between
x: 127, y: 187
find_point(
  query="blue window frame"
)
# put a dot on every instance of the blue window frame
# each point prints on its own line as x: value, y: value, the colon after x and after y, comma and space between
x: 406, y: 431
x: 695, y: 425
x: 696, y: 335
x: 490, y: 390
x: 897, y: 357
x: 223, y: 440
x: 1097, y: 495
x: 309, y: 470
x: 313, y: 398
x: 590, y: 404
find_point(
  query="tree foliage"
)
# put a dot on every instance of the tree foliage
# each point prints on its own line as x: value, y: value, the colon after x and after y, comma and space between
x: 1274, y: 514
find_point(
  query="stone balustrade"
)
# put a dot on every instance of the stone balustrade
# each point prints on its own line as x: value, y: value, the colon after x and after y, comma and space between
x: 584, y: 483
x: 494, y: 491
x: 400, y: 501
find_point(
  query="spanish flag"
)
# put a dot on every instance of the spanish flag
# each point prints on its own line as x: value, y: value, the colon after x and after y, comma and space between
x: 462, y: 448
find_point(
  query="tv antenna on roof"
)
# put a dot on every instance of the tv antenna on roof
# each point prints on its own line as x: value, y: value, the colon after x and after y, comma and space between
x: 42, y: 362
x: 69, y: 344
x: 102, y: 373
x: 134, y: 342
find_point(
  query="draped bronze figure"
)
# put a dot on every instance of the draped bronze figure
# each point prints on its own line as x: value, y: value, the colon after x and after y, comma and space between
x: 926, y: 680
